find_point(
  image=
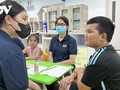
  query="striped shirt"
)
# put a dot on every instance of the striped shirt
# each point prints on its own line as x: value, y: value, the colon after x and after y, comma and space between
x: 103, y: 70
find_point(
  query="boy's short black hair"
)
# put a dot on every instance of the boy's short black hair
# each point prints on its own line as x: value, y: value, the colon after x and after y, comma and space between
x: 105, y: 25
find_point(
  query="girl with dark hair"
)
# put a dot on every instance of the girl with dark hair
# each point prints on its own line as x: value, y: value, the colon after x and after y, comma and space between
x: 33, y: 51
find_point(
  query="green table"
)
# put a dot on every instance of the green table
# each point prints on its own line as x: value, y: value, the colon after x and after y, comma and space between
x: 44, y: 79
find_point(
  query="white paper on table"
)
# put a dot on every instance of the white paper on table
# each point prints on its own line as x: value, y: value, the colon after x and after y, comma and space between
x: 56, y: 71
x: 31, y: 70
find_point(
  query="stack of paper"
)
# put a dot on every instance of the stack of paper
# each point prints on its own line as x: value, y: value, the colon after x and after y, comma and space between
x: 56, y: 71
x: 31, y: 70
x: 29, y: 65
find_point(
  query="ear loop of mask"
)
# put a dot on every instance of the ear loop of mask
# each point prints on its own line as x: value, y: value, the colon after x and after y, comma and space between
x: 15, y: 20
x: 14, y: 27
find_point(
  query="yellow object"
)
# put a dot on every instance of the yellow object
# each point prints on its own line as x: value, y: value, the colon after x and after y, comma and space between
x: 45, y: 56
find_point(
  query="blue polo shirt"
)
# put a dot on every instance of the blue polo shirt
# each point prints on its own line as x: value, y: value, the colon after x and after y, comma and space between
x: 18, y: 42
x: 13, y: 72
x: 62, y: 50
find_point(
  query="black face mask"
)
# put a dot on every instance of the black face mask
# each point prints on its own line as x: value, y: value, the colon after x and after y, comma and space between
x: 25, y: 30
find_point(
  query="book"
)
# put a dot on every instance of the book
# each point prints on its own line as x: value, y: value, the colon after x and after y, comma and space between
x: 55, y: 71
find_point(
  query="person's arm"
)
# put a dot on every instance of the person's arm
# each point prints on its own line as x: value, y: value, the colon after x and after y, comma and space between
x: 33, y: 85
x: 37, y: 54
x: 77, y: 74
x: 41, y: 52
x: 71, y: 60
x: 67, y: 80
x: 24, y: 51
x: 81, y: 86
x: 50, y: 58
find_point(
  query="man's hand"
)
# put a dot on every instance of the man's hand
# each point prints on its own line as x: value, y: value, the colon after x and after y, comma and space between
x: 66, y: 81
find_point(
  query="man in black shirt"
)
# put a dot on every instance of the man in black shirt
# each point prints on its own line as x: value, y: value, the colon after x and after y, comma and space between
x: 103, y: 68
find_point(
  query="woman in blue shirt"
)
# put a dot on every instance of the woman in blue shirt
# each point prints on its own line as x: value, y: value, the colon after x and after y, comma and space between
x: 63, y: 47
x: 13, y: 72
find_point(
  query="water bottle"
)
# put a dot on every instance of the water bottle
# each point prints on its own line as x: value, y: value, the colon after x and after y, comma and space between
x: 45, y: 29
x: 36, y: 66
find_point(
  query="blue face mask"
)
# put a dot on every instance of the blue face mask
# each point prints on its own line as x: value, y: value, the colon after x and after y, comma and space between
x: 61, y: 29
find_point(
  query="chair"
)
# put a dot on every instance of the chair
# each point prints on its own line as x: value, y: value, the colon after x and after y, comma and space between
x: 45, y: 56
